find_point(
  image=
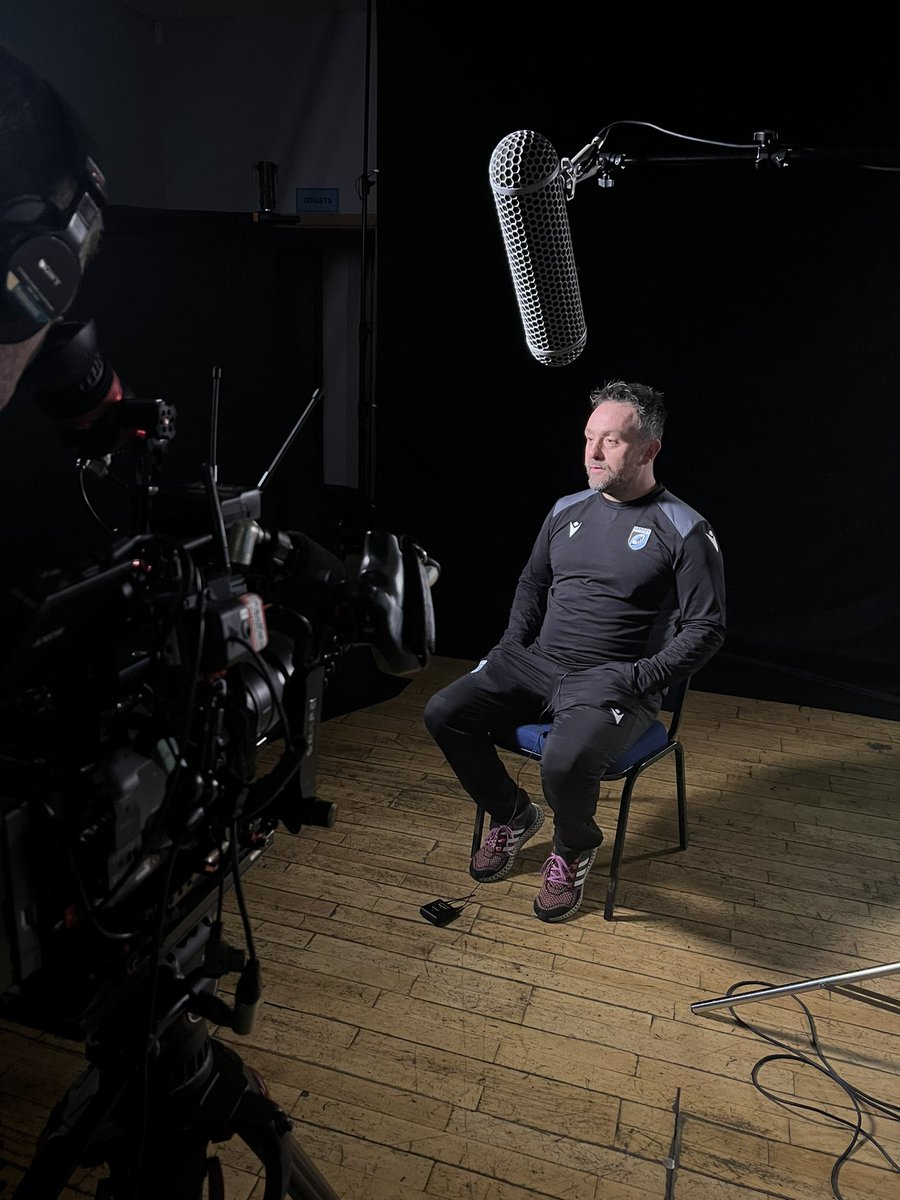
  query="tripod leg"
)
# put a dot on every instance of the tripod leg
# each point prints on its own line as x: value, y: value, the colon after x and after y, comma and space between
x: 77, y: 1123
x: 156, y: 1145
x: 306, y: 1182
x: 266, y: 1129
x: 174, y: 1167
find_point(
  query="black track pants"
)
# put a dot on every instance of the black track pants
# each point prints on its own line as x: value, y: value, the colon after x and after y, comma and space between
x: 595, y: 720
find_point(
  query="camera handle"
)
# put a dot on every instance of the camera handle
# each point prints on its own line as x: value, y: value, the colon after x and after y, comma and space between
x: 154, y: 1133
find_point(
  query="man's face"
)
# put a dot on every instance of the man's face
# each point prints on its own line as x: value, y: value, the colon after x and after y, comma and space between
x: 13, y: 361
x: 617, y: 456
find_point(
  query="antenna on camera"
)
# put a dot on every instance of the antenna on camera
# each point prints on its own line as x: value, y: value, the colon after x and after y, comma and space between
x: 289, y: 441
x: 220, y: 533
x: 211, y: 473
x: 214, y: 424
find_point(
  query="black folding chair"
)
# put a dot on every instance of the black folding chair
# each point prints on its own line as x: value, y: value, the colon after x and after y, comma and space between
x: 654, y: 744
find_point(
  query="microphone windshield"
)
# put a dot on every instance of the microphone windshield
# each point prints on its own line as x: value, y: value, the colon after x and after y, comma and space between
x: 529, y: 193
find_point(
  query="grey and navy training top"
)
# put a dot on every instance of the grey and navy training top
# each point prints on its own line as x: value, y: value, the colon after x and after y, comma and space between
x: 639, y: 582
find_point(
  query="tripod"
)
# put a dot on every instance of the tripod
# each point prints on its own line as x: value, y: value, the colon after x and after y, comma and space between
x: 151, y: 1121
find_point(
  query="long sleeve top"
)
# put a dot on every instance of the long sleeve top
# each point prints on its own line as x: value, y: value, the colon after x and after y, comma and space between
x: 640, y: 583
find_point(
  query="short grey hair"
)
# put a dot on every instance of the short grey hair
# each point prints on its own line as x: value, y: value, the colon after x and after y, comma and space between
x: 647, y: 402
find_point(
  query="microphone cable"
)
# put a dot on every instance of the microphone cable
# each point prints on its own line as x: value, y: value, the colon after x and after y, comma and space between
x: 686, y: 137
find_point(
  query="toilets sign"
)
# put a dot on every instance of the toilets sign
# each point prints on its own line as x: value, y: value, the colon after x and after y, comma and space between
x: 317, y: 200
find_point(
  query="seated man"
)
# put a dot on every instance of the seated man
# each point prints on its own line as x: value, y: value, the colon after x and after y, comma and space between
x: 623, y: 594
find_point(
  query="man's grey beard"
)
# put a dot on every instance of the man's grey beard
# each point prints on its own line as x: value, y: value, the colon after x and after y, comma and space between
x: 604, y: 483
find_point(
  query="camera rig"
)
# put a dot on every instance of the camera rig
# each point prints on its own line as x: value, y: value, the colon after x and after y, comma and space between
x: 140, y: 691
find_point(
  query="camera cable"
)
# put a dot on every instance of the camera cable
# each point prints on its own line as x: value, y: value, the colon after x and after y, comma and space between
x: 249, y: 986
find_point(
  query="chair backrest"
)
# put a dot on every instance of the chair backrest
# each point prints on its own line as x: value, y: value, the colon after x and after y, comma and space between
x: 673, y: 702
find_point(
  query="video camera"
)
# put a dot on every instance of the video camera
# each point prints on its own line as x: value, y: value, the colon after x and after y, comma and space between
x: 133, y: 710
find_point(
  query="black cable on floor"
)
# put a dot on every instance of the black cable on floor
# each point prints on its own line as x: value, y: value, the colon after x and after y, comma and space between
x: 856, y: 1096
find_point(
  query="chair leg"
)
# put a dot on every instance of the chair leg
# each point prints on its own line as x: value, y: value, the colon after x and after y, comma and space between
x: 618, y: 847
x: 681, y: 790
x: 478, y: 830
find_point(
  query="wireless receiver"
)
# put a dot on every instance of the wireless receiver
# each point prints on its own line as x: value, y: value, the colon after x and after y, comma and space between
x: 439, y: 912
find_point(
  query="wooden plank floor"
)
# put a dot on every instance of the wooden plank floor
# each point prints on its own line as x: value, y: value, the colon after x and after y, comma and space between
x: 497, y: 1057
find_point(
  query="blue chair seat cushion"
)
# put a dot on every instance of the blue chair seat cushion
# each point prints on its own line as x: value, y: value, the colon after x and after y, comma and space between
x: 530, y: 740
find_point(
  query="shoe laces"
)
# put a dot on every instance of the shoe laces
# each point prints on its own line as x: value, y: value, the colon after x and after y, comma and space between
x: 497, y: 838
x: 557, y: 870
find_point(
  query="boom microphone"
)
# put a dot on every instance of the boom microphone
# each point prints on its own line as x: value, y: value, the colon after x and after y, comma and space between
x: 528, y: 188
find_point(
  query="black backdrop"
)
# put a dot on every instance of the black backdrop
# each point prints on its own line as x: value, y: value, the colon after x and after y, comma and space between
x: 764, y: 303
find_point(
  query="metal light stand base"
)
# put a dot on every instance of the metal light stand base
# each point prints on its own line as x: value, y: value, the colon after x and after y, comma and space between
x: 844, y: 985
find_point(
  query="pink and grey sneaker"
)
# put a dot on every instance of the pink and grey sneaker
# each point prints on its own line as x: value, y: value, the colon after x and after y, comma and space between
x: 563, y: 887
x: 496, y: 857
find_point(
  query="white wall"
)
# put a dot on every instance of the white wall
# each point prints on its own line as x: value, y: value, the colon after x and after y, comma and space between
x: 100, y: 57
x: 181, y: 110
x: 284, y: 90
